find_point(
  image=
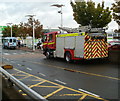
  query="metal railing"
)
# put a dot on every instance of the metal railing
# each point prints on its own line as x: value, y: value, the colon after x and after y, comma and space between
x: 31, y: 93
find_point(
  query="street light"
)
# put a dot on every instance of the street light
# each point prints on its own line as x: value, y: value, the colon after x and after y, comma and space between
x: 31, y: 16
x: 11, y: 27
x: 60, y: 6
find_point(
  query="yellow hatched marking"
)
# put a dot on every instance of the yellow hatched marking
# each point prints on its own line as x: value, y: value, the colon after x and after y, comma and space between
x: 62, y: 87
x: 83, y: 97
x: 19, y: 90
x: 37, y: 84
x: 54, y: 92
x: 48, y: 86
x: 36, y: 80
x: 24, y: 94
x: 24, y: 77
x: 70, y: 94
x: 19, y: 75
x: 16, y: 73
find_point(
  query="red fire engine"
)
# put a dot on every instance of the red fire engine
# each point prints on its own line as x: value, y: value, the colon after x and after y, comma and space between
x: 75, y: 46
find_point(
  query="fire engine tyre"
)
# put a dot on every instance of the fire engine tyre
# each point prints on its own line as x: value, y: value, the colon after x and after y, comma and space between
x: 47, y: 55
x: 68, y: 57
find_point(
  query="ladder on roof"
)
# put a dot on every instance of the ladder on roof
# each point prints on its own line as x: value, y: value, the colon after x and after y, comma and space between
x: 82, y: 29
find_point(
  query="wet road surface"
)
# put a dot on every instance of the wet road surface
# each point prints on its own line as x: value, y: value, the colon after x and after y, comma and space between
x: 56, y: 79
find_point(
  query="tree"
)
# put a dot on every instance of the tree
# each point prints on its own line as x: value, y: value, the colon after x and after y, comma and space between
x: 85, y: 13
x: 37, y: 26
x: 7, y: 31
x: 116, y: 13
x: 24, y: 29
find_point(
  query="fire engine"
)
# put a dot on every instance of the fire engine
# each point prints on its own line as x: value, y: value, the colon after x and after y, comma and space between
x: 76, y: 44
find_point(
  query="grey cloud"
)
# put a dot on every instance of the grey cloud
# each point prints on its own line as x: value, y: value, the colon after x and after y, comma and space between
x: 15, y: 12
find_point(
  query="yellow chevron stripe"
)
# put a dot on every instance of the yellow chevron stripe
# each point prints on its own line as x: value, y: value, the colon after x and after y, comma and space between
x: 96, y: 55
x: 91, y: 47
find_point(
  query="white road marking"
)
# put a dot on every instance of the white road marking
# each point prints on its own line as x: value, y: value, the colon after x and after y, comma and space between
x: 29, y: 69
x: 60, y: 81
x: 32, y: 53
x: 14, y: 53
x: 12, y: 61
x: 19, y: 65
x: 42, y: 74
x: 23, y: 53
x: 7, y: 59
x: 89, y: 92
x: 6, y: 53
x: 27, y: 52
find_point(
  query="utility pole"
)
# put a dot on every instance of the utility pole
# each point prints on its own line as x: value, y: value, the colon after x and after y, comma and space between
x: 32, y: 16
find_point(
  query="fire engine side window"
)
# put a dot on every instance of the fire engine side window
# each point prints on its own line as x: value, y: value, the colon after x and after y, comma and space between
x: 50, y: 37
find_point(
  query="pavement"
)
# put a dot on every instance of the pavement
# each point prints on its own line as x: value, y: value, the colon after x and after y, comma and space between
x: 29, y: 49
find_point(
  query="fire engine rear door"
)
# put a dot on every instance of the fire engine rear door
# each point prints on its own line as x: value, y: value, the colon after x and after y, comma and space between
x: 96, y: 49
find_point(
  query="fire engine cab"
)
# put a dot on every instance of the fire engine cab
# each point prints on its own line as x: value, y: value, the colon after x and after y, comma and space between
x: 75, y: 46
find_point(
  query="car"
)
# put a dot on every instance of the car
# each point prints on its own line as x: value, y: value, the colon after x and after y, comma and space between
x: 114, y: 45
x: 10, y: 42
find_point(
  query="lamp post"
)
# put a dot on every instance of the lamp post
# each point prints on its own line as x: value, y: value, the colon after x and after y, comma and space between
x: 31, y: 16
x: 60, y: 6
x: 11, y: 27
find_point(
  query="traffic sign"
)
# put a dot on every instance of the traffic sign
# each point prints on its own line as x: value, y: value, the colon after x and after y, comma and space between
x: 2, y: 28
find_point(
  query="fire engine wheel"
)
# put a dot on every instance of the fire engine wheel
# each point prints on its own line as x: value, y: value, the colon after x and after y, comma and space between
x: 68, y: 57
x: 47, y: 55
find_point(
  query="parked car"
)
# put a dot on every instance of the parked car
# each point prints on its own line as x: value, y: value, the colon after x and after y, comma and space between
x: 10, y: 42
x: 114, y: 45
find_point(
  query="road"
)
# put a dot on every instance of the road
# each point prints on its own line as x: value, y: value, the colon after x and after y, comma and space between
x: 56, y: 79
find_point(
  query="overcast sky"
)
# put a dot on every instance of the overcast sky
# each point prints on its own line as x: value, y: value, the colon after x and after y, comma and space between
x: 15, y: 11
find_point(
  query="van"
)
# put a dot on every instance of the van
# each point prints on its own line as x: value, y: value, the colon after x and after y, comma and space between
x: 10, y: 42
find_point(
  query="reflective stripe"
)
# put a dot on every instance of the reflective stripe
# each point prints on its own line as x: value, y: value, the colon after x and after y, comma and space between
x: 71, y: 34
x: 44, y: 43
x: 51, y: 43
x: 95, y: 49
